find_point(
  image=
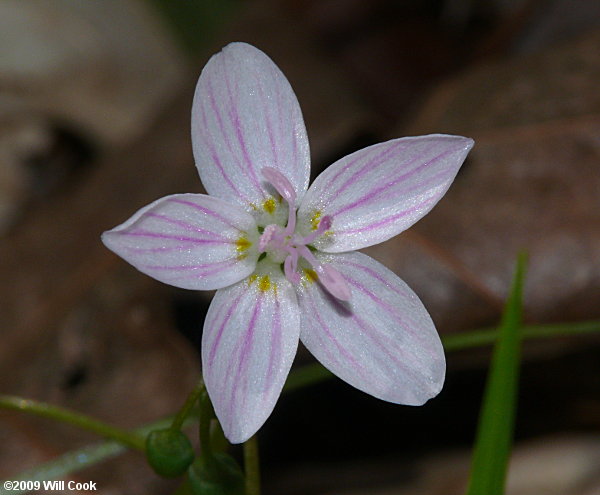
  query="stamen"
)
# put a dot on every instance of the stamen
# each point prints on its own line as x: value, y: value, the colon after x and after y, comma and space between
x: 290, y: 265
x: 324, y: 225
x: 281, y: 184
x: 334, y: 282
x: 279, y: 240
x: 284, y: 187
x: 267, y: 237
x: 331, y: 279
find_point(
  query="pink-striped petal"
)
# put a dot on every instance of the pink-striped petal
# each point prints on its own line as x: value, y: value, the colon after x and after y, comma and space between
x: 249, y: 342
x: 376, y: 193
x: 191, y: 241
x: 245, y: 117
x: 382, y: 341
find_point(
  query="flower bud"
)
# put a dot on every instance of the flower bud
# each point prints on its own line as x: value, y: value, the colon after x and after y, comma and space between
x: 169, y: 452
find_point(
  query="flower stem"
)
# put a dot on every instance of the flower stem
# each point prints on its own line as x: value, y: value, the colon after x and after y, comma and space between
x: 186, y: 409
x: 129, y: 439
x: 488, y: 336
x: 78, y: 459
x: 206, y: 416
x: 251, y: 466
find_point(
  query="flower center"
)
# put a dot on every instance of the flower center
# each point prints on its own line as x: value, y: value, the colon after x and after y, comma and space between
x: 285, y: 245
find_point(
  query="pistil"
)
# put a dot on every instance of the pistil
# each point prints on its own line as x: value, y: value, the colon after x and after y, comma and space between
x: 284, y: 245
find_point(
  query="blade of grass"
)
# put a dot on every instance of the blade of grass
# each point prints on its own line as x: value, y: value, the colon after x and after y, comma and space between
x: 496, y: 422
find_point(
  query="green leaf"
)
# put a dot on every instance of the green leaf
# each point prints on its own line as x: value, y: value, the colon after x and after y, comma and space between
x: 496, y: 422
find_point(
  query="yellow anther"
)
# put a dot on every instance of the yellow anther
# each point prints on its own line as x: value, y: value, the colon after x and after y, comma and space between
x: 269, y: 205
x: 315, y: 220
x: 242, y: 244
x: 311, y: 275
x: 265, y: 283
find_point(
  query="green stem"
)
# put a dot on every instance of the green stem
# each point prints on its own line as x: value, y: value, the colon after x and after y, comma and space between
x: 186, y: 409
x: 76, y: 460
x: 488, y: 336
x: 251, y: 466
x: 206, y: 416
x: 129, y: 439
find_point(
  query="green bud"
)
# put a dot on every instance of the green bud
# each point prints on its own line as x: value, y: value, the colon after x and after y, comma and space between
x: 169, y: 452
x: 217, y: 474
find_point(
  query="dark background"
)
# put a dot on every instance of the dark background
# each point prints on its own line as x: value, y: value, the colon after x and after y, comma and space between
x: 95, y: 100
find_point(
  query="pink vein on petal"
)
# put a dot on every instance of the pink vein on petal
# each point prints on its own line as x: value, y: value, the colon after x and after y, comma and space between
x: 218, y: 265
x: 347, y: 355
x: 160, y: 249
x: 385, y: 221
x: 370, y: 333
x: 238, y: 131
x: 217, y: 340
x: 203, y: 209
x: 331, y: 182
x: 186, y: 226
x: 408, y: 326
x: 224, y: 133
x: 378, y: 190
x: 268, y: 121
x: 375, y: 275
x: 194, y: 240
x: 369, y: 166
x: 208, y: 142
x: 276, y: 345
x: 244, y: 358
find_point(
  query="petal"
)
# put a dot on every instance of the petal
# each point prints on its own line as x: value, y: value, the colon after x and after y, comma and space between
x: 191, y: 241
x: 245, y: 117
x: 249, y: 342
x: 379, y: 191
x: 382, y: 341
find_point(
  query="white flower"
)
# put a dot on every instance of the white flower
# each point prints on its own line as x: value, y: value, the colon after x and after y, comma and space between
x: 279, y: 252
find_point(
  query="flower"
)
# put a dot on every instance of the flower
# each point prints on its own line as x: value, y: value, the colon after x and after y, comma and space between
x: 281, y: 253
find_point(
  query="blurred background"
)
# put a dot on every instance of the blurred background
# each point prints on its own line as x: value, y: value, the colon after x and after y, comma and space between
x: 95, y: 102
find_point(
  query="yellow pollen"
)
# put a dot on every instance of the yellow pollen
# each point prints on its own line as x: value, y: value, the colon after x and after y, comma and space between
x: 265, y: 283
x: 311, y: 275
x: 252, y: 279
x: 315, y: 220
x: 242, y: 244
x: 253, y: 206
x: 269, y: 205
x: 241, y: 257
